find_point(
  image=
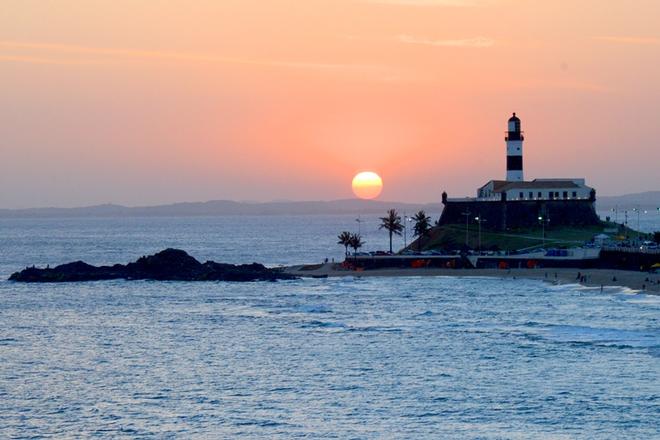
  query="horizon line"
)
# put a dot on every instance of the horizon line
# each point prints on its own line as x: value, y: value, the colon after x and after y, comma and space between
x: 267, y: 202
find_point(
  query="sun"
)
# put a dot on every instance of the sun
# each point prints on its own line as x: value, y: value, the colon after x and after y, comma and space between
x: 367, y: 185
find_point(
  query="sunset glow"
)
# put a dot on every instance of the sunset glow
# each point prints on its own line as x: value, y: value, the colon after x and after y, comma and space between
x: 285, y: 99
x: 367, y: 185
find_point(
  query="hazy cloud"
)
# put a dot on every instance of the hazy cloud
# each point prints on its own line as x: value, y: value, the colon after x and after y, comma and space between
x: 449, y: 3
x: 478, y: 42
x: 40, y: 60
x: 156, y: 55
x: 575, y: 85
x: 644, y: 41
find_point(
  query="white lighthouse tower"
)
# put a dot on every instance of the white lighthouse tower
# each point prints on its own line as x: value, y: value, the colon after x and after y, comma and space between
x: 514, y: 152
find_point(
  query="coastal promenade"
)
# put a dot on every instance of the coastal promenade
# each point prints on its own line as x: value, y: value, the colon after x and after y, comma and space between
x: 637, y: 281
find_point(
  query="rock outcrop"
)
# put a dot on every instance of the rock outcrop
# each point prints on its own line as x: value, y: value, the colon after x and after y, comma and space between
x: 167, y: 265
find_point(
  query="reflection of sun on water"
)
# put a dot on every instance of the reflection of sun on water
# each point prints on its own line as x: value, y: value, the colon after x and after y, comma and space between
x: 367, y: 185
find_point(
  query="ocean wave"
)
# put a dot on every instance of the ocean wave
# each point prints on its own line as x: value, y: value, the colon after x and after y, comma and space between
x: 604, y: 337
x: 323, y: 324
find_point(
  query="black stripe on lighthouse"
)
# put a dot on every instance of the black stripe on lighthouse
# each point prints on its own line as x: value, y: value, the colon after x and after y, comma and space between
x: 514, y: 163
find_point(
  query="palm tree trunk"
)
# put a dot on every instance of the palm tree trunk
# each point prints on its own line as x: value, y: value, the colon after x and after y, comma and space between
x: 390, y: 241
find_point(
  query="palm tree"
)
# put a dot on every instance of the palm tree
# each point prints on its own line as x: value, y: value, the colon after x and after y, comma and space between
x: 392, y: 222
x: 345, y: 240
x: 356, y: 242
x: 422, y: 226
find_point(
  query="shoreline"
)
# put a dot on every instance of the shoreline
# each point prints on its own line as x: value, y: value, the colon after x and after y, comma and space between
x: 641, y: 282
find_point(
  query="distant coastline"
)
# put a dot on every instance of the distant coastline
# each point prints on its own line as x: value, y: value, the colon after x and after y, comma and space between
x: 646, y: 200
x: 224, y: 207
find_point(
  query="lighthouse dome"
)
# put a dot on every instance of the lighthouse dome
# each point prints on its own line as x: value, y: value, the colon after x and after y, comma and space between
x: 514, y: 127
x: 514, y: 132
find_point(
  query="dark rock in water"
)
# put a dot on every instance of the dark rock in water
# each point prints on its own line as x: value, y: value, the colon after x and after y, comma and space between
x: 170, y: 264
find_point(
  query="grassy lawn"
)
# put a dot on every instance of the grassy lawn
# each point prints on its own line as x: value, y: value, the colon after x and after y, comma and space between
x: 453, y: 236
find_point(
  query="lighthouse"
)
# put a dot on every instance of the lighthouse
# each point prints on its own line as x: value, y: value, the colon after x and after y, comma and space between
x: 514, y: 154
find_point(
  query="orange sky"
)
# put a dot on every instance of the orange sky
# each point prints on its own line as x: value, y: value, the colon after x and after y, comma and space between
x: 144, y: 102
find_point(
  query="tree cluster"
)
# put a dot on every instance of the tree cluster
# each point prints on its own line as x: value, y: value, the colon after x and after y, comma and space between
x: 350, y: 240
x: 394, y: 225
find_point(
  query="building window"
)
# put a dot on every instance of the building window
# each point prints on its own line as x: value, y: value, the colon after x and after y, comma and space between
x: 521, y: 196
x: 550, y: 194
x: 531, y: 195
x: 540, y: 194
x: 575, y: 194
x: 556, y: 194
x: 565, y: 194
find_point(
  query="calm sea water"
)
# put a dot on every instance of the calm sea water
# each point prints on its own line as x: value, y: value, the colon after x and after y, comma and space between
x: 337, y: 358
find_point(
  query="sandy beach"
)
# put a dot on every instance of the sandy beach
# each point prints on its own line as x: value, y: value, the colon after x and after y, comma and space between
x: 638, y: 281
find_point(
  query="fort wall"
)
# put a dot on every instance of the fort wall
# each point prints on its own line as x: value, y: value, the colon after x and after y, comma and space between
x: 503, y: 215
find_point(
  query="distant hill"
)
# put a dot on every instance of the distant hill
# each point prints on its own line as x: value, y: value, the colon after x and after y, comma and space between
x: 226, y: 207
x: 645, y: 200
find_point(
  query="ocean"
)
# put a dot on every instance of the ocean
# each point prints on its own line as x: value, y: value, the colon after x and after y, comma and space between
x: 441, y: 357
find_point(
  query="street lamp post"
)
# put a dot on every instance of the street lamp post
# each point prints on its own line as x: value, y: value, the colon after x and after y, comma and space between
x: 479, y: 222
x: 637, y: 210
x: 467, y: 227
x: 406, y: 220
x: 405, y: 230
x: 543, y: 222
